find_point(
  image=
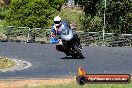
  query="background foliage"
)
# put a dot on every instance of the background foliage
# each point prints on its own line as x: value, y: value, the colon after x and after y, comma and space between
x: 40, y: 13
x: 32, y: 13
x: 118, y: 15
x: 72, y: 16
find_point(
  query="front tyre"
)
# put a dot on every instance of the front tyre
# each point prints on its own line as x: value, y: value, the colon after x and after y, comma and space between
x: 78, y: 52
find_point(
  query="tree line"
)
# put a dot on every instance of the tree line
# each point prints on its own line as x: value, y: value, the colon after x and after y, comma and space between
x: 118, y: 15
x: 32, y: 13
x: 40, y: 13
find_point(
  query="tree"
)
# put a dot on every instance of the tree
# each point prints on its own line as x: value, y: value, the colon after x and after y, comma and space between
x: 3, y: 6
x: 32, y: 13
x: 89, y: 6
x: 118, y: 15
x: 90, y: 21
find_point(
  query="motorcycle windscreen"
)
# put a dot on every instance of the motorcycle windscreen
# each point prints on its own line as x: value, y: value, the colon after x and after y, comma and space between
x: 67, y: 34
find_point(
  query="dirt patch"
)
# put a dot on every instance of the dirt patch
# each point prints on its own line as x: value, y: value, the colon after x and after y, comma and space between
x: 21, y: 83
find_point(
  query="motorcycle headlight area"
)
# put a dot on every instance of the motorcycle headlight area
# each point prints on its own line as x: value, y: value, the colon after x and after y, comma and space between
x: 67, y: 35
x: 65, y: 32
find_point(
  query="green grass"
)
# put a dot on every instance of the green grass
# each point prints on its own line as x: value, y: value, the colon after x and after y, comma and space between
x: 75, y: 85
x: 6, y: 63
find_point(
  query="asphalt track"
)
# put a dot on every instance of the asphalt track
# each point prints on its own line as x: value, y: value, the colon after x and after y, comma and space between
x: 47, y: 62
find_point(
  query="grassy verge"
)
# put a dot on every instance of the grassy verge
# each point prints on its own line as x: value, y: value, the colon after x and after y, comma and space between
x: 74, y: 85
x: 6, y: 63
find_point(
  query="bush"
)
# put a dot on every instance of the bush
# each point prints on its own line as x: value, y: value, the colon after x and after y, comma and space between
x: 32, y: 13
x: 72, y: 15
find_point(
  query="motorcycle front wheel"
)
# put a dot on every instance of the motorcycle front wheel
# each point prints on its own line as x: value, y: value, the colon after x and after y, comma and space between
x: 78, y: 53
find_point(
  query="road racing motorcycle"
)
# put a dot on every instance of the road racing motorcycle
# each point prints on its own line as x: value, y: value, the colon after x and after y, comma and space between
x: 68, y: 43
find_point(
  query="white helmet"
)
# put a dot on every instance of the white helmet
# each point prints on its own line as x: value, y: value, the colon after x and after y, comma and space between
x: 57, y: 21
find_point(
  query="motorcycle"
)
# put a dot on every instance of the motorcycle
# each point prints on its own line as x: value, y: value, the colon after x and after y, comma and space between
x: 68, y: 44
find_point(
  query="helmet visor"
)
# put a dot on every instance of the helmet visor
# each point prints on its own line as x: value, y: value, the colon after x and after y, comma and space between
x: 57, y: 22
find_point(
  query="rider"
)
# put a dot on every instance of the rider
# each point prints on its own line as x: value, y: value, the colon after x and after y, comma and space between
x: 58, y: 27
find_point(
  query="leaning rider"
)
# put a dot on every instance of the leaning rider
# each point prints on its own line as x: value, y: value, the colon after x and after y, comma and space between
x: 58, y: 27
